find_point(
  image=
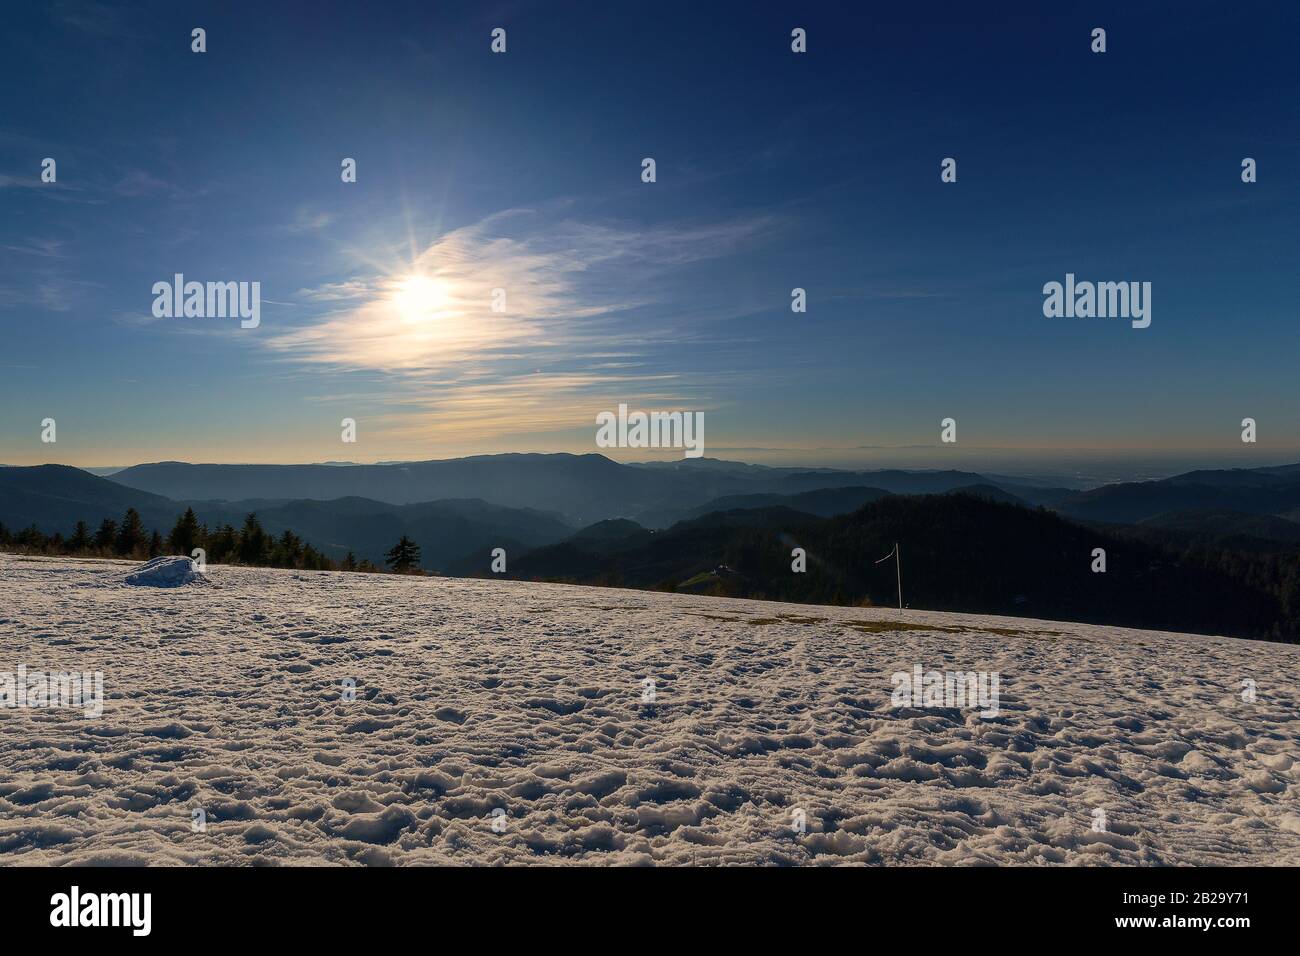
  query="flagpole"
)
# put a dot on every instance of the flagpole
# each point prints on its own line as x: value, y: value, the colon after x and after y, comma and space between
x: 898, y: 569
x: 898, y: 566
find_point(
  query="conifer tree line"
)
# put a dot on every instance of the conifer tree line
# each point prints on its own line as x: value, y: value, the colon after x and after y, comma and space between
x: 250, y: 544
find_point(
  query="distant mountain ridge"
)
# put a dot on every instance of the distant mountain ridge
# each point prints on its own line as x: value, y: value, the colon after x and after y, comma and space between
x: 589, y: 488
x: 1257, y: 491
x: 461, y: 508
x: 582, y: 488
x: 55, y: 497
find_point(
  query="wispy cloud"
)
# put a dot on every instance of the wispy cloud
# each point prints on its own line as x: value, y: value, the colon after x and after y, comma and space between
x: 459, y: 366
x: 139, y: 182
x: 45, y: 248
x: 58, y: 192
x: 50, y: 291
x: 308, y: 220
x: 57, y: 293
x: 21, y: 182
x: 339, y: 291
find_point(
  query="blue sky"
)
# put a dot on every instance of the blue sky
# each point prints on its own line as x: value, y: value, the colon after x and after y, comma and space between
x: 522, y: 171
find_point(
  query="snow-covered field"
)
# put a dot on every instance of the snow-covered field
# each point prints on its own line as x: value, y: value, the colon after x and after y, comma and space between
x: 478, y: 696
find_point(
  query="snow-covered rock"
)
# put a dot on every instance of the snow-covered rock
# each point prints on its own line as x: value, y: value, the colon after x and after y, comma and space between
x: 166, y: 572
x: 323, y: 717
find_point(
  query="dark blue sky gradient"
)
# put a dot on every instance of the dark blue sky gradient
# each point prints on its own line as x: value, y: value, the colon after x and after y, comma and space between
x: 819, y: 171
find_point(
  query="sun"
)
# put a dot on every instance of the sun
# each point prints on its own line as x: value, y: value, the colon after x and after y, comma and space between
x: 420, y: 297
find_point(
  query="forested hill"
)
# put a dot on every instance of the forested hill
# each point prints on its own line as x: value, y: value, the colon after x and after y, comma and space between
x: 959, y: 552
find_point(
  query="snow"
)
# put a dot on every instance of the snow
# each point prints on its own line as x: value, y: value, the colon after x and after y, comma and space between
x: 473, y: 696
x: 165, y: 572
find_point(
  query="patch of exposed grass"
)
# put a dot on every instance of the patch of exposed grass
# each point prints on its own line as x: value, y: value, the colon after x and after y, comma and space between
x: 884, y: 627
x: 889, y: 626
x: 702, y: 578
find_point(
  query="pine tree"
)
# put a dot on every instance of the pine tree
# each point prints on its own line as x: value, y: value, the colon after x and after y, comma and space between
x: 350, y: 562
x: 155, y: 545
x: 253, y: 541
x: 289, y: 551
x: 106, y: 534
x: 80, y: 540
x: 130, y: 534
x: 222, y: 545
x: 185, y: 536
x: 404, y: 557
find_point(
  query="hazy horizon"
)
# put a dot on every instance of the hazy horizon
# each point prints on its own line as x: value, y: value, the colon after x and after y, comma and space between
x: 1071, y: 468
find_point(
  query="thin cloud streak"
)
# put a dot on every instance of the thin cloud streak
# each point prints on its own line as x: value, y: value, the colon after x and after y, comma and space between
x: 543, y: 364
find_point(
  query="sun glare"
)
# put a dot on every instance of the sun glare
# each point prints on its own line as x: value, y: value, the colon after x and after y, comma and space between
x: 420, y: 297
